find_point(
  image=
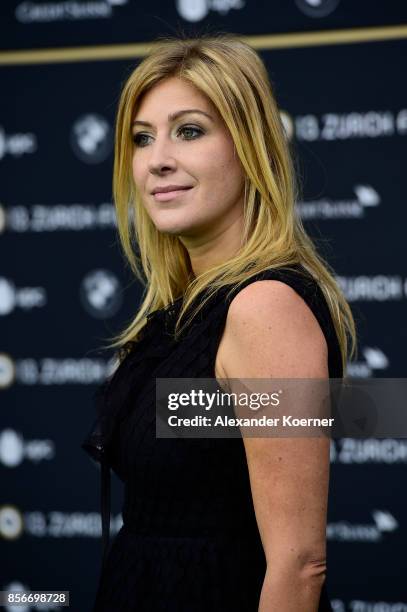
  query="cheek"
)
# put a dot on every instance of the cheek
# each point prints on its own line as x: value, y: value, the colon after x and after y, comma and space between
x: 228, y: 172
x: 136, y: 172
x: 139, y: 162
x: 139, y: 182
x: 223, y: 187
x: 225, y: 162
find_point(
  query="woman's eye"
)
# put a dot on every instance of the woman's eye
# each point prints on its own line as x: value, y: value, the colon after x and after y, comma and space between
x: 137, y: 139
x: 190, y: 128
x: 187, y: 131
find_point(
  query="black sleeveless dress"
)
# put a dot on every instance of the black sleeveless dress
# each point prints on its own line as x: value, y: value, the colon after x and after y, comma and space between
x: 189, y: 540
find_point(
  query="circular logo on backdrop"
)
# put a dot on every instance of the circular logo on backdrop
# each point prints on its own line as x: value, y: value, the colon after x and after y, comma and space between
x: 7, y: 296
x: 192, y: 10
x: 317, y: 8
x: 101, y: 293
x: 92, y: 138
x: 11, y: 522
x: 11, y: 448
x: 7, y: 371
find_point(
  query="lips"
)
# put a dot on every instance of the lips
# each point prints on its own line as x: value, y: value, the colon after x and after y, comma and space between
x: 167, y: 188
x: 175, y: 192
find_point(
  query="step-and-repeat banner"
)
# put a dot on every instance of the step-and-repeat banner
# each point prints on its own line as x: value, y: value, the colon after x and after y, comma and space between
x: 64, y: 287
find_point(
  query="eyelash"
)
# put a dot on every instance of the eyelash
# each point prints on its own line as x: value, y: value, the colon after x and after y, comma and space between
x: 183, y: 127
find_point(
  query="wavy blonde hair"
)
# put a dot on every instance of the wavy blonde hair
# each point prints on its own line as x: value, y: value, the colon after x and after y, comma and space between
x: 233, y: 77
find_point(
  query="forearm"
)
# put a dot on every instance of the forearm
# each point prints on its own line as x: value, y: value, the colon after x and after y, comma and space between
x: 289, y: 589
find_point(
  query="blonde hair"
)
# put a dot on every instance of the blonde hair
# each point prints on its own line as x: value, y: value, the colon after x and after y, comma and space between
x: 233, y: 77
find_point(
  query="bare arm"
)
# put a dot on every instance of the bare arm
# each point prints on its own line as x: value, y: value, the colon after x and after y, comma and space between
x: 270, y: 332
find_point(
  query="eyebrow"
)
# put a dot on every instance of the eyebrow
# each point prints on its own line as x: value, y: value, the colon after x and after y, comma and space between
x: 174, y: 116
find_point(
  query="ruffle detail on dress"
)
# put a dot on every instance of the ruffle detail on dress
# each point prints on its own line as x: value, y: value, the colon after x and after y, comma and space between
x: 112, y: 399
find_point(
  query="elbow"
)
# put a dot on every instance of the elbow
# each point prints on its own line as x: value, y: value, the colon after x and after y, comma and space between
x: 307, y: 572
x: 314, y: 571
x: 308, y: 582
x: 311, y: 566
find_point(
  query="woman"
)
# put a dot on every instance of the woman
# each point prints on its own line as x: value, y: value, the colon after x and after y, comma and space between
x: 205, y: 193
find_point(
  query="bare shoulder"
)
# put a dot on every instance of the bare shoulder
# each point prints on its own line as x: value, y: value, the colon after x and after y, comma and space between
x: 270, y: 331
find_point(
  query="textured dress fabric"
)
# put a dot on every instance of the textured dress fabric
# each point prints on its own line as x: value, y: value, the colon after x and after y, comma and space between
x: 189, y: 540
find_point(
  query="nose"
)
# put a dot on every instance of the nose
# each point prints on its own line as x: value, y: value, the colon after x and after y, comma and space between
x: 161, y: 159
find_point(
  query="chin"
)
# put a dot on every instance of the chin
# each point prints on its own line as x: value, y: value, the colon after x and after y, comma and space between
x: 180, y: 231
x: 176, y: 227
x: 170, y: 231
x: 170, y: 228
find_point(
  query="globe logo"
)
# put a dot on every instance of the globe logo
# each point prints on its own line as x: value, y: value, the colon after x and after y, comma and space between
x: 192, y: 10
x: 92, y: 138
x: 101, y: 293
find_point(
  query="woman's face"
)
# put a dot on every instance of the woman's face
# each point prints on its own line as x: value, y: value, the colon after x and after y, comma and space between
x: 191, y: 150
